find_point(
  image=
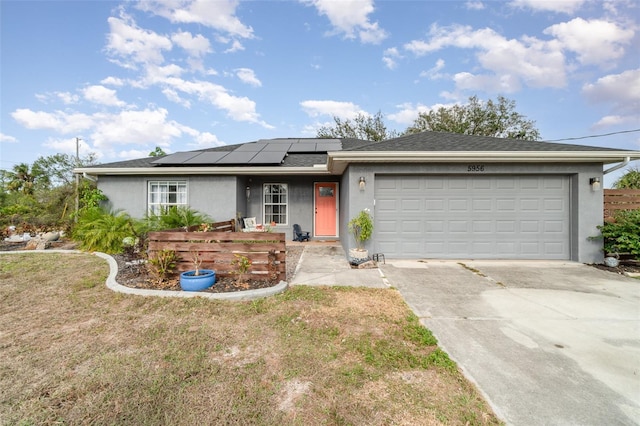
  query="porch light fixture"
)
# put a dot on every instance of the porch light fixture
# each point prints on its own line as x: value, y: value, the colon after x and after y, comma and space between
x: 248, y: 192
x: 362, y: 183
x: 595, y: 183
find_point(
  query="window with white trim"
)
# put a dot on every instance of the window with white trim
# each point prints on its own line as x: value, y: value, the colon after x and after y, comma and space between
x: 276, y: 198
x: 164, y: 194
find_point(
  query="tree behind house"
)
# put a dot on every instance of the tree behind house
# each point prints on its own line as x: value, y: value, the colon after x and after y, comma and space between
x: 491, y: 118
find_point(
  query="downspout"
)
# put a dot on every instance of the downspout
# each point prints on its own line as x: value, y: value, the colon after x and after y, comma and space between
x: 617, y: 166
x: 91, y: 178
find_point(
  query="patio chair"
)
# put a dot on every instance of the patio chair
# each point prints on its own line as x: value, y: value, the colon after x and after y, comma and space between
x: 249, y: 224
x: 299, y: 234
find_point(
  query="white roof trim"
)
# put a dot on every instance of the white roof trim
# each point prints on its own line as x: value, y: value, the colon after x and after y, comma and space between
x: 338, y: 161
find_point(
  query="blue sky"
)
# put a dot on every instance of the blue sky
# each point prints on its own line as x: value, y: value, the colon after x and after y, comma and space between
x: 126, y: 77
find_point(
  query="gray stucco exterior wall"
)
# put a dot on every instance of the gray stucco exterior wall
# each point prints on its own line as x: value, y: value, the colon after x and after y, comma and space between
x: 224, y: 197
x: 215, y: 196
x: 585, y: 204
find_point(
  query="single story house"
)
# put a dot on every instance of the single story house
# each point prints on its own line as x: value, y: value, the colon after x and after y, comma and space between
x: 432, y: 194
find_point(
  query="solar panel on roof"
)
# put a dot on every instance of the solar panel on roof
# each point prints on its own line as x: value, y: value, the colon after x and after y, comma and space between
x: 268, y: 157
x: 276, y: 141
x: 210, y: 157
x: 280, y: 147
x: 251, y: 147
x: 303, y: 147
x: 177, y: 158
x: 237, y: 157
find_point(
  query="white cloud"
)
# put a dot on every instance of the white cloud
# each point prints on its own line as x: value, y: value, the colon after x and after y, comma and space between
x: 108, y: 131
x: 622, y: 91
x: 506, y: 83
x: 132, y: 154
x: 351, y: 18
x: 558, y: 6
x: 595, y: 41
x: 68, y: 145
x: 219, y: 15
x: 248, y: 76
x: 389, y: 57
x: 344, y: 110
x: 238, y: 108
x: 206, y: 140
x: 7, y: 138
x: 173, y: 96
x: 140, y: 127
x: 102, y: 95
x: 112, y: 81
x: 67, y: 98
x: 474, y: 5
x: 134, y: 44
x: 236, y: 46
x: 434, y: 72
x: 613, y: 120
x: 195, y: 46
x: 158, y: 74
x: 58, y: 121
x: 513, y: 62
x: 409, y: 112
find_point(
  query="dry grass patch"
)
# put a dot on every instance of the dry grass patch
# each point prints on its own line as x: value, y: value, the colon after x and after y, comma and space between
x: 73, y: 352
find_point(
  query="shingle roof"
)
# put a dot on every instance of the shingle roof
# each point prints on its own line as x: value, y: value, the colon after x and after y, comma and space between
x: 441, y: 141
x: 420, y: 142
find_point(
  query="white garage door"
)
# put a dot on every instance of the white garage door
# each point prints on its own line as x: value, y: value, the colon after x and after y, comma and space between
x: 479, y: 217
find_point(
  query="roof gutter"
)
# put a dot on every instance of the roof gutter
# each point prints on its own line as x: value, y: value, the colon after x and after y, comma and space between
x: 617, y: 166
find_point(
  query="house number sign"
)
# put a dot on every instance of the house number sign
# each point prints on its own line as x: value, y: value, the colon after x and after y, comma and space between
x: 475, y: 168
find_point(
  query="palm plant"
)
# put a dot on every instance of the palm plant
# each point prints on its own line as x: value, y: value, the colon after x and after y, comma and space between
x: 102, y: 230
x: 177, y: 217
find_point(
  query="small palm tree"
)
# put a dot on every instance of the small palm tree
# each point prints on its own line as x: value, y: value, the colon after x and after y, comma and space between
x: 23, y: 178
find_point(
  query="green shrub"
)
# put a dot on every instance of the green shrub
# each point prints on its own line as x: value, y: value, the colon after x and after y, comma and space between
x: 101, y: 230
x: 361, y: 227
x: 176, y: 217
x: 162, y: 265
x: 623, y: 235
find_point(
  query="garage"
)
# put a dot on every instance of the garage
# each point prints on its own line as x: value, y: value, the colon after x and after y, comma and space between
x: 472, y: 216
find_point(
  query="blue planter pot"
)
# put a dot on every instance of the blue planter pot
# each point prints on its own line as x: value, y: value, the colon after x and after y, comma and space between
x: 191, y: 282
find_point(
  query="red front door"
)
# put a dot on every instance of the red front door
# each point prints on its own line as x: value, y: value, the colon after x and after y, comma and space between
x: 326, y: 215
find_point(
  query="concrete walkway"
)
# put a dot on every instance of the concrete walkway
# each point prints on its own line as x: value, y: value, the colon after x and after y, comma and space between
x: 328, y: 265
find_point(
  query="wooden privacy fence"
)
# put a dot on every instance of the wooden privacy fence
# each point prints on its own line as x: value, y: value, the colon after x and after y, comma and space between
x: 265, y: 250
x: 620, y: 199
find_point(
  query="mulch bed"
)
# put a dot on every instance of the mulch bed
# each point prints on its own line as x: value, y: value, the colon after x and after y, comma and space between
x: 132, y: 273
x: 625, y: 266
x: 137, y: 276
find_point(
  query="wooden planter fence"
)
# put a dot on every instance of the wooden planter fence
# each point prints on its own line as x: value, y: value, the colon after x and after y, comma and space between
x: 218, y: 249
x: 620, y: 199
x: 226, y: 226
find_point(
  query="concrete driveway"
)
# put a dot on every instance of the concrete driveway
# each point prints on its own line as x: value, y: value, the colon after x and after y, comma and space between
x: 547, y: 343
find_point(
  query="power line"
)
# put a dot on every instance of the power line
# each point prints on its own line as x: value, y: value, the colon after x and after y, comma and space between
x: 594, y: 136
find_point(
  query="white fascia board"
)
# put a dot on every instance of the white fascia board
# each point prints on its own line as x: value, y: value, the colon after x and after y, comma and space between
x: 337, y: 162
x: 175, y: 171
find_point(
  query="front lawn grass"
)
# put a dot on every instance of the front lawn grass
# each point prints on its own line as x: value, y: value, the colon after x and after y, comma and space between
x: 74, y: 352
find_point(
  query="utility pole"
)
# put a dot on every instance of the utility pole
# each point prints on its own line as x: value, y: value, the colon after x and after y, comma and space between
x: 77, y: 178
